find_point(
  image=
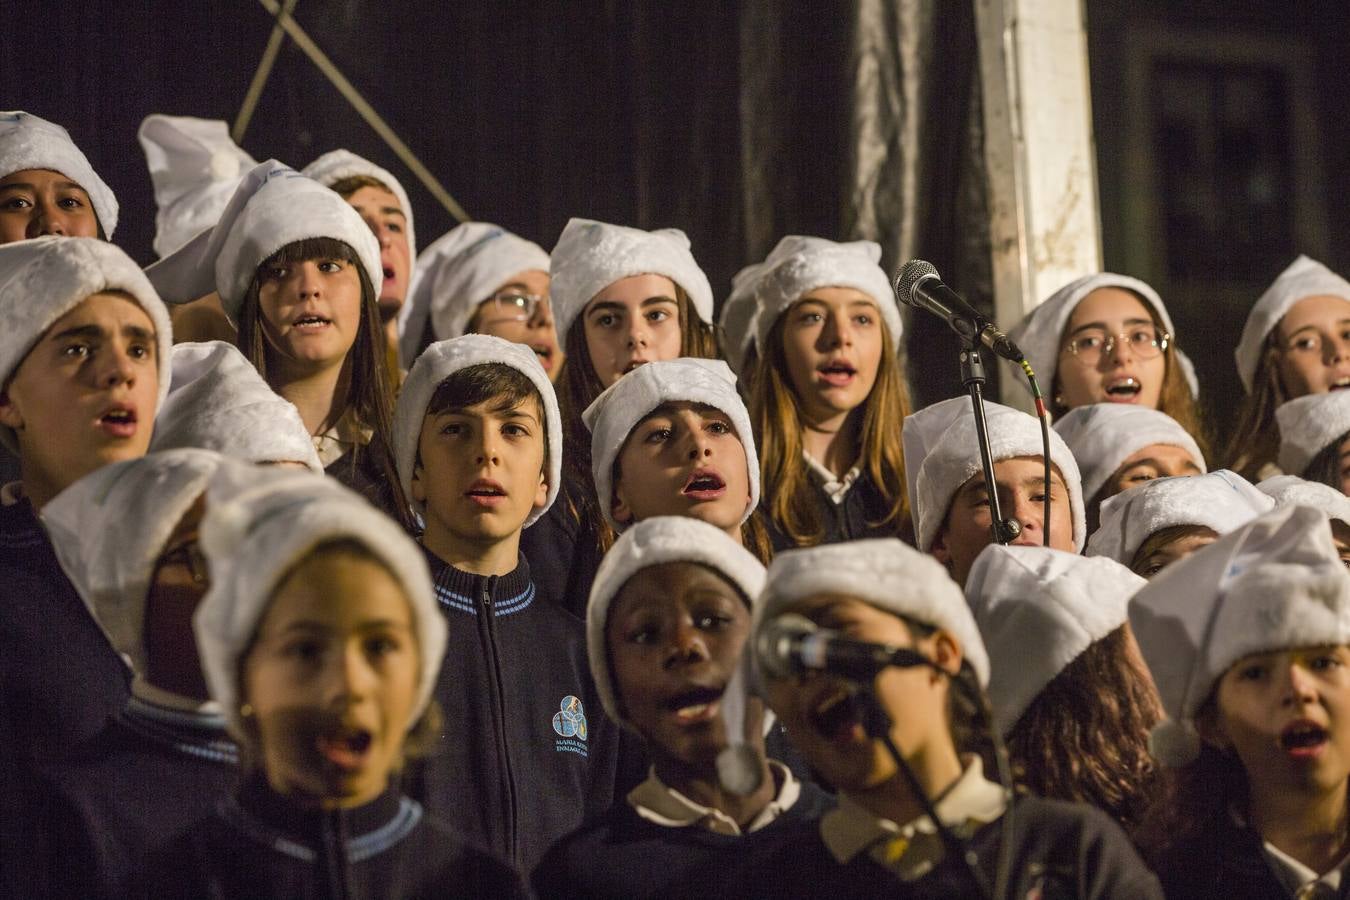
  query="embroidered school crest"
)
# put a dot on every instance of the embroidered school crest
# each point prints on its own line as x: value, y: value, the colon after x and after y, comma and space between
x: 570, y: 724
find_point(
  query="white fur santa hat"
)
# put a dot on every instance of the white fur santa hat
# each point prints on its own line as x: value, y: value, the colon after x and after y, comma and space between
x: 883, y: 572
x: 590, y: 256
x: 1290, y: 490
x: 1102, y: 436
x: 1039, y: 334
x: 621, y: 406
x: 1220, y: 500
x: 44, y: 278
x: 195, y: 166
x: 443, y: 359
x: 942, y: 453
x: 273, y: 207
x: 1274, y: 584
x: 462, y: 269
x: 253, y: 536
x: 807, y: 263
x: 1038, y: 609
x: 110, y: 528
x: 218, y: 401
x: 1305, y: 277
x: 737, y: 319
x: 31, y: 142
x: 1310, y: 424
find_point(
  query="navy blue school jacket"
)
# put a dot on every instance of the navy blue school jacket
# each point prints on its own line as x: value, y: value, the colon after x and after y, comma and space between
x: 1226, y: 861
x: 356, y: 469
x: 95, y: 818
x: 621, y: 854
x: 854, y: 519
x: 259, y: 845
x: 525, y: 751
x: 564, y: 556
x: 1059, y: 851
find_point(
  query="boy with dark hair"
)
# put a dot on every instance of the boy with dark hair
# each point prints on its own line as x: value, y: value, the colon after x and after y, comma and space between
x: 524, y: 752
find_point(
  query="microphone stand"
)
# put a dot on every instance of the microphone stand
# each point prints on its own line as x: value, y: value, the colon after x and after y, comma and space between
x: 973, y: 378
x: 877, y: 723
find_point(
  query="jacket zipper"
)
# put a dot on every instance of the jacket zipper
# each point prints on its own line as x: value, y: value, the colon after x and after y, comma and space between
x: 333, y: 862
x: 487, y: 587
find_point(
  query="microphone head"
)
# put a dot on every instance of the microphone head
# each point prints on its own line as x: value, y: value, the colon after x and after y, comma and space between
x: 773, y: 647
x: 910, y: 274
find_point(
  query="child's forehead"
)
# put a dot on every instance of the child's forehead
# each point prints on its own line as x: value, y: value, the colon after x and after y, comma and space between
x: 674, y: 407
x: 662, y: 584
x: 497, y: 406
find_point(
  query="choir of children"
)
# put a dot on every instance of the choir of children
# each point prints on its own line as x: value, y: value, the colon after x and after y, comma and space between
x: 353, y: 603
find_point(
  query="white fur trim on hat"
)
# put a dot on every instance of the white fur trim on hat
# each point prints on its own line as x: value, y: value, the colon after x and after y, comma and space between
x: 1038, y: 609
x: 737, y: 319
x: 195, y: 166
x: 1309, y: 425
x: 44, y: 278
x: 883, y: 572
x: 942, y: 453
x: 1290, y: 490
x: 1039, y: 334
x: 218, y: 401
x: 654, y: 542
x: 31, y: 142
x: 464, y: 267
x: 335, y: 165
x: 273, y: 207
x: 1305, y: 277
x: 621, y: 406
x: 818, y: 263
x: 253, y: 536
x: 110, y: 528
x: 1102, y: 436
x: 590, y: 256
x: 1274, y: 584
x: 443, y: 359
x: 1220, y: 500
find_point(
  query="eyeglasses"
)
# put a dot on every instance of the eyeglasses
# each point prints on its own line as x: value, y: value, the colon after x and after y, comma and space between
x: 1145, y: 342
x: 511, y: 306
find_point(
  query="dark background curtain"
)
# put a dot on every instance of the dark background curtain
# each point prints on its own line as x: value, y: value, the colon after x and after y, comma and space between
x: 738, y: 123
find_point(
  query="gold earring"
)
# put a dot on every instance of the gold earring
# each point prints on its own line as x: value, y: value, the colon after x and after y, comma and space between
x: 246, y: 711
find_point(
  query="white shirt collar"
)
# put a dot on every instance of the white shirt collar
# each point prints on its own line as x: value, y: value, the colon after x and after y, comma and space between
x: 835, y: 488
x: 665, y: 806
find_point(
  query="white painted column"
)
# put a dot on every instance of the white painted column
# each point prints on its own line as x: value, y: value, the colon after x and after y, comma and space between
x: 1045, y: 226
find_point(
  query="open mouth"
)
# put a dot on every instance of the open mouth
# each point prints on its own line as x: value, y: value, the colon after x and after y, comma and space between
x: 705, y: 484
x: 388, y: 273
x: 1340, y: 383
x: 838, y: 716
x: 545, y: 354
x: 634, y: 364
x: 311, y: 323
x: 696, y: 706
x: 345, y: 749
x: 486, y: 492
x: 118, y: 421
x: 837, y: 373
x: 1303, y: 739
x: 1126, y: 388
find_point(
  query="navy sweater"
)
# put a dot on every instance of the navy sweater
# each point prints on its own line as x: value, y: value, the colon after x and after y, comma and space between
x: 1060, y: 850
x: 525, y: 752
x: 95, y: 818
x: 356, y: 469
x: 259, y: 846
x: 852, y: 520
x: 564, y: 556
x: 1226, y: 861
x: 60, y: 679
x: 621, y: 854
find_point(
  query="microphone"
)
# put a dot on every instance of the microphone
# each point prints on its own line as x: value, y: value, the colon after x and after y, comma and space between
x: 917, y: 284
x: 791, y: 644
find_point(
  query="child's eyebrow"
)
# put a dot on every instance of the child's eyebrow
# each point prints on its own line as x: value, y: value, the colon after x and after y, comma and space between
x: 1101, y: 326
x: 80, y: 331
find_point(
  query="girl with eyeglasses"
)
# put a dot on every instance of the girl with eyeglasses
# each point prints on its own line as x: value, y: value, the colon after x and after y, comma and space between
x: 480, y: 278
x: 1107, y: 338
x: 1296, y: 342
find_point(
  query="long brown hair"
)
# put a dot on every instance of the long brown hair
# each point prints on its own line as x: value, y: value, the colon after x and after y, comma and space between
x: 1175, y: 399
x: 579, y: 385
x: 1255, y: 440
x: 775, y: 411
x: 1085, y: 736
x: 365, y: 380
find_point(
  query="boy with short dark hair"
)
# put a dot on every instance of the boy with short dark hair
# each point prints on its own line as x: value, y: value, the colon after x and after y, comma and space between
x: 525, y: 752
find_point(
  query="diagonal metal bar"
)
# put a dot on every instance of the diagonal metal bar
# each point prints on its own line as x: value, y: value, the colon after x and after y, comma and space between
x: 366, y: 111
x: 264, y: 71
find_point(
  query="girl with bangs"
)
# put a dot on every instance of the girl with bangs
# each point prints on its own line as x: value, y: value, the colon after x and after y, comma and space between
x: 622, y: 297
x: 299, y: 273
x: 829, y: 395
